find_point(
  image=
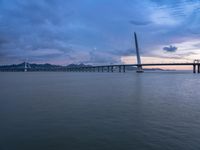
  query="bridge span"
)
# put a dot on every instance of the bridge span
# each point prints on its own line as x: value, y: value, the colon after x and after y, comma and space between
x: 139, y: 65
x: 122, y: 67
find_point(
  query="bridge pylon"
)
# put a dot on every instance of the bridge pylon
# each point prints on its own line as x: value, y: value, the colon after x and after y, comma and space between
x: 139, y: 66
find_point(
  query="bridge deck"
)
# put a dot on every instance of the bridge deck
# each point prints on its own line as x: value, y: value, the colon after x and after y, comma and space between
x: 150, y: 64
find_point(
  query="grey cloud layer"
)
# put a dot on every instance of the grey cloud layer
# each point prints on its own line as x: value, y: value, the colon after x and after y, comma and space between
x: 57, y: 30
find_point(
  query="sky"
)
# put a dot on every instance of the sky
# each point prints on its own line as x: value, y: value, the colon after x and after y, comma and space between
x: 99, y: 31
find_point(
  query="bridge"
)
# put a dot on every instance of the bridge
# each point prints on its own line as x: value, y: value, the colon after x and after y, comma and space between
x: 139, y: 66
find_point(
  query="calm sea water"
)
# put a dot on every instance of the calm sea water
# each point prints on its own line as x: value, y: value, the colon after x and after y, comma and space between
x: 99, y: 111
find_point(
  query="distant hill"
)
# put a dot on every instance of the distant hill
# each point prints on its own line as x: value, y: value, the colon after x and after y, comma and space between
x: 51, y: 67
x: 38, y: 67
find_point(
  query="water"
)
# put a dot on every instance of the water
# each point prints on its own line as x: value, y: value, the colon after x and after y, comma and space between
x: 99, y: 111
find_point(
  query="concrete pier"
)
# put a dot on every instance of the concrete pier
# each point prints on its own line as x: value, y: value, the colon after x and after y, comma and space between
x: 124, y: 68
x: 111, y: 68
x: 194, y: 68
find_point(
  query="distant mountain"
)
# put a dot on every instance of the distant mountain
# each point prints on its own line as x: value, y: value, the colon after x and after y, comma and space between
x: 50, y: 67
x: 39, y: 67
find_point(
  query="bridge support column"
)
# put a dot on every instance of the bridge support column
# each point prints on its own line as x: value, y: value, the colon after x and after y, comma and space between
x: 139, y: 69
x: 102, y: 68
x: 108, y: 69
x: 124, y: 68
x: 98, y: 69
x: 194, y: 68
x: 111, y: 68
x: 120, y: 69
x: 198, y: 68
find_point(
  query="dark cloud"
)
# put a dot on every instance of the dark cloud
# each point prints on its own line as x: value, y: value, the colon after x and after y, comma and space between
x: 73, y: 27
x: 170, y: 48
x: 27, y: 27
x: 140, y: 23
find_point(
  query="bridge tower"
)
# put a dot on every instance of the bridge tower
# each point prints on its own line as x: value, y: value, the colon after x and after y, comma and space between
x: 139, y: 66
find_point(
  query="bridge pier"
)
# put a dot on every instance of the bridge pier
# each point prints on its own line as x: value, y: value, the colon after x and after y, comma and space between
x: 139, y: 69
x: 111, y: 68
x: 198, y: 68
x: 108, y: 69
x: 120, y: 69
x: 194, y: 68
x: 102, y: 69
x: 124, y: 68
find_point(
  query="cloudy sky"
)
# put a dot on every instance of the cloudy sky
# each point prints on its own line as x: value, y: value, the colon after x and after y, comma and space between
x: 98, y: 31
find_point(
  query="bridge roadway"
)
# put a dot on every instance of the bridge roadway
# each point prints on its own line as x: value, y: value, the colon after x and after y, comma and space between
x: 139, y: 65
x: 122, y: 67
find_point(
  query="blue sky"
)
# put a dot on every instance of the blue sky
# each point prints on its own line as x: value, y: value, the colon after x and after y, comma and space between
x: 98, y: 31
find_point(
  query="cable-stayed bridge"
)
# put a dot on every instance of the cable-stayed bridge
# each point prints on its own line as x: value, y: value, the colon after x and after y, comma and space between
x: 101, y: 68
x: 139, y: 65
